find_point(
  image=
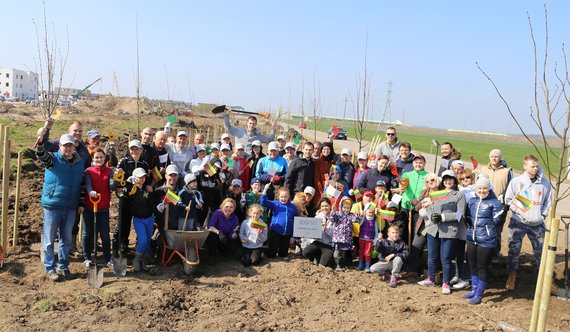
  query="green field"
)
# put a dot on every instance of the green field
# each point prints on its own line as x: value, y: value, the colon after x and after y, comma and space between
x: 514, y: 148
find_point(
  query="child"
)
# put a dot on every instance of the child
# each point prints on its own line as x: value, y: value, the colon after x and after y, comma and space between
x: 99, y: 182
x: 252, y: 233
x: 392, y: 253
x: 342, y: 234
x: 141, y: 206
x: 381, y: 196
x: 368, y: 235
x: 321, y: 250
x: 358, y: 210
x: 190, y: 204
x: 281, y: 225
x: 337, y: 182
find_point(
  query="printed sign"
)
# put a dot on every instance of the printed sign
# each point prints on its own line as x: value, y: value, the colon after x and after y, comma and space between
x: 308, y: 227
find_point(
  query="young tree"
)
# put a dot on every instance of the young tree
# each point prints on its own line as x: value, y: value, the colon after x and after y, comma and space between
x: 361, y: 106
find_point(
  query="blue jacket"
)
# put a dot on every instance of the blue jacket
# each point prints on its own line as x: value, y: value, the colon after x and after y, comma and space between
x: 485, y: 214
x: 283, y: 215
x: 62, y: 180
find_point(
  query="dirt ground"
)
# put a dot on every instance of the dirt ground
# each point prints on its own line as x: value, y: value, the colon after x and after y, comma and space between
x: 279, y: 295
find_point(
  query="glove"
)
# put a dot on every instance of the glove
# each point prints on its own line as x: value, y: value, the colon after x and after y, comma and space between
x: 468, y: 221
x: 436, y: 218
x: 351, y: 192
x: 506, y: 208
x: 132, y: 179
x: 93, y: 194
x: 160, y: 207
x: 275, y: 179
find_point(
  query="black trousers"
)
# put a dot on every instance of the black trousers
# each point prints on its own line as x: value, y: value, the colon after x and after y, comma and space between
x: 123, y: 228
x: 214, y: 244
x: 322, y: 252
x: 250, y: 256
x: 278, y: 244
x: 479, y: 260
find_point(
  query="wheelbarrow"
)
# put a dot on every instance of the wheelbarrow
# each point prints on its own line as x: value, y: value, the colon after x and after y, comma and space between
x: 185, y: 244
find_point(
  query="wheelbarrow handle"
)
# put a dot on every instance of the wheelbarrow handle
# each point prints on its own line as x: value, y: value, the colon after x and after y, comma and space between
x: 95, y: 202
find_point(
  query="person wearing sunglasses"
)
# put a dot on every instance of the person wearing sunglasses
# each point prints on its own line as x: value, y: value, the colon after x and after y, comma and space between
x: 391, y: 146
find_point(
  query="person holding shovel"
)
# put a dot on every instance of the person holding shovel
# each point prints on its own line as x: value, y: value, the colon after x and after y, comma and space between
x: 247, y: 135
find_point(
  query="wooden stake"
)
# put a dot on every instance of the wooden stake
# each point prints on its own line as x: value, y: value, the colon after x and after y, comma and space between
x: 1, y: 144
x: 540, y: 278
x: 547, y: 283
x: 17, y: 202
x: 5, y: 186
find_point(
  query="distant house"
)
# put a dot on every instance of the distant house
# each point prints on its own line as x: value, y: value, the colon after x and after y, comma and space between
x: 18, y: 83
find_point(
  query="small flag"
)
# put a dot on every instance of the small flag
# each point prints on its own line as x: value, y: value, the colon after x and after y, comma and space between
x: 297, y: 139
x: 56, y: 115
x: 331, y: 192
x: 251, y: 162
x: 357, y: 194
x: 394, y: 169
x: 372, y: 157
x: 521, y: 202
x: 210, y: 169
x: 335, y: 130
x: 370, y: 205
x: 172, y: 119
x: 438, y: 195
x: 258, y: 224
x: 387, y: 214
x: 231, y: 162
x: 171, y: 197
x: 156, y: 174
x: 404, y: 183
x: 474, y: 162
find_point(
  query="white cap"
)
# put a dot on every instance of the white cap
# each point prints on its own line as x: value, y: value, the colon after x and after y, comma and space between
x: 189, y: 178
x: 290, y: 145
x: 346, y: 151
x: 448, y: 173
x: 215, y: 146
x: 256, y: 143
x: 236, y: 182
x: 139, y: 172
x: 66, y: 139
x: 281, y: 137
x: 225, y: 135
x: 200, y: 147
x: 310, y: 190
x: 172, y: 169
x: 136, y: 143
x: 362, y: 155
x: 240, y: 146
x: 273, y: 146
x: 225, y: 147
x: 182, y: 133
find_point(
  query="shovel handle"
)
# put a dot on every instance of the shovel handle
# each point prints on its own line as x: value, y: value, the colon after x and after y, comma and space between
x: 95, y: 202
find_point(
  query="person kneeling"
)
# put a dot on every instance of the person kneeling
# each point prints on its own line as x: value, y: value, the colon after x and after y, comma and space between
x: 391, y: 255
x: 223, y: 226
x: 322, y: 249
x: 252, y: 233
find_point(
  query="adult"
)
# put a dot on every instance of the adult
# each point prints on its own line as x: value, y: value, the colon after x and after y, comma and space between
x: 282, y: 140
x: 249, y: 134
x: 301, y: 171
x: 404, y: 162
x: 223, y: 226
x: 60, y: 201
x: 467, y: 183
x: 457, y: 166
x: 290, y: 152
x: 317, y: 150
x: 179, y: 153
x: 198, y: 140
x: 346, y: 167
x: 448, y: 154
x: 254, y: 157
x: 321, y: 249
x: 529, y: 197
x: 272, y: 165
x: 361, y: 168
x: 500, y: 175
x: 174, y: 183
x: 159, y: 146
x: 443, y: 226
x: 322, y: 169
x: 391, y: 146
x: 369, y: 180
x: 483, y: 213
x: 148, y: 153
x: 92, y: 141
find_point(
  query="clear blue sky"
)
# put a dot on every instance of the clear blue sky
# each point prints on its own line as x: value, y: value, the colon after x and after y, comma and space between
x: 257, y: 54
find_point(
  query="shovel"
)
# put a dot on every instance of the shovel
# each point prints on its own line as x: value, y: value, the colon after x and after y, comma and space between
x: 564, y: 293
x: 94, y: 277
x: 120, y: 264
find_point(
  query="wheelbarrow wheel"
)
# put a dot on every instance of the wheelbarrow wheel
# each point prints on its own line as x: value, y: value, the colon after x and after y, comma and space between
x: 189, y: 269
x: 192, y: 257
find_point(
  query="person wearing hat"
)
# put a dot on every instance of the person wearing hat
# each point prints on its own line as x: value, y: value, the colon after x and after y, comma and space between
x: 197, y: 164
x: 190, y: 204
x: 210, y: 184
x: 310, y: 203
x: 61, y: 202
x: 360, y: 169
x: 141, y: 206
x: 226, y: 139
x: 281, y: 139
x: 381, y: 172
x: 346, y: 167
x: 272, y: 168
x: 412, y: 183
x: 254, y: 157
x: 290, y: 154
x: 240, y: 169
x: 235, y: 192
x: 300, y: 172
x: 444, y: 225
x: 391, y: 146
x: 249, y: 134
x: 253, y: 196
x: 174, y: 183
x: 128, y: 164
x: 179, y: 153
x: 93, y: 140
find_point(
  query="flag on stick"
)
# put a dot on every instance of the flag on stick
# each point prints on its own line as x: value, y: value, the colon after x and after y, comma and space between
x: 156, y: 174
x: 387, y: 214
x: 258, y: 224
x: 210, y: 169
x: 521, y: 202
x: 438, y: 195
x: 474, y: 162
x: 357, y: 194
x: 171, y: 197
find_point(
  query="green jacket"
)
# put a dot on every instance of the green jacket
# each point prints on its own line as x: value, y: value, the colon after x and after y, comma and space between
x: 414, y: 188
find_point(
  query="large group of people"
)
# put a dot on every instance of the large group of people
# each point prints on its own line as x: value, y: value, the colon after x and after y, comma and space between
x: 378, y: 216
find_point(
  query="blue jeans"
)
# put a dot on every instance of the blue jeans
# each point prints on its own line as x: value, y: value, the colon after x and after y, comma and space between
x: 57, y: 221
x: 517, y: 232
x: 443, y: 249
x: 88, y: 234
x: 143, y: 228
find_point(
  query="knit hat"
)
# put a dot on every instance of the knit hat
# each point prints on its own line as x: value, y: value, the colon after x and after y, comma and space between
x: 483, y: 181
x: 345, y: 200
x: 310, y: 190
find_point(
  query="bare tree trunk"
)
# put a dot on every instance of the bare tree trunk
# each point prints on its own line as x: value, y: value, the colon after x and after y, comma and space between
x: 362, y: 106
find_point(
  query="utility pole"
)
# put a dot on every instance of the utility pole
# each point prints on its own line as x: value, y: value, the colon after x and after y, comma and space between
x: 344, y: 112
x: 386, y: 115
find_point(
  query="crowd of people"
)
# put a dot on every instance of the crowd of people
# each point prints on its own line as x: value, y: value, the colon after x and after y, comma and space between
x: 378, y: 215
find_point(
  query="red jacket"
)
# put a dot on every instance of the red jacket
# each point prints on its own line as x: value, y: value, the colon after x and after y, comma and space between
x: 99, y: 177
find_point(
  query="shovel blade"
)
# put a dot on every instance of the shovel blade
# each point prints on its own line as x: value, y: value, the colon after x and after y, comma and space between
x: 95, y: 278
x: 120, y: 267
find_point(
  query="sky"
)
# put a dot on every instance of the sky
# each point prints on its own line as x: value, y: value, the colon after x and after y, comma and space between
x: 269, y: 55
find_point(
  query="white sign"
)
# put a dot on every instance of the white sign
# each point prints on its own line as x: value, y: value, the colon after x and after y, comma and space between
x: 308, y: 227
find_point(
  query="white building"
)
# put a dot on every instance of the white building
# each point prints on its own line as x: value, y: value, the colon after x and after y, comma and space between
x: 18, y: 83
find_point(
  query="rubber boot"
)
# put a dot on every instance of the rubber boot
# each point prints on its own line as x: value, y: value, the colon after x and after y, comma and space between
x: 137, y: 262
x: 143, y: 263
x: 474, y: 285
x: 360, y: 265
x: 367, y: 268
x: 479, y: 294
x: 511, y: 281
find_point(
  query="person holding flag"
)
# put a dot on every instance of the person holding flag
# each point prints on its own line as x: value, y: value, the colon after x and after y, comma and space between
x: 528, y: 197
x: 253, y: 233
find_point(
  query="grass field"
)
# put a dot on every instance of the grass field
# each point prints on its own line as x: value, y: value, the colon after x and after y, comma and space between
x: 514, y: 148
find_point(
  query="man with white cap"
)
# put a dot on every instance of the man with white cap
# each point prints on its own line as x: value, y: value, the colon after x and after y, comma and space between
x: 179, y: 153
x: 61, y: 202
x: 273, y: 167
x: 346, y: 167
x: 148, y: 153
x: 300, y: 172
x: 250, y: 133
x: 281, y: 139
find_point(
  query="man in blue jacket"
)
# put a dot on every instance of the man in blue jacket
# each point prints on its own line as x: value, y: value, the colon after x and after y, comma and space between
x: 60, y: 201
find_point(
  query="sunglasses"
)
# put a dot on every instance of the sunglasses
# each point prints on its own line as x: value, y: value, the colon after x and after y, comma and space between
x: 430, y: 181
x: 390, y: 134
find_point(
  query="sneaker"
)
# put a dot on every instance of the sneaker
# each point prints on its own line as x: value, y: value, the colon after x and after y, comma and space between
x: 454, y: 280
x: 445, y: 289
x: 88, y: 264
x: 461, y: 284
x: 426, y: 282
x: 393, y: 282
x: 111, y: 265
x: 67, y: 275
x: 387, y: 276
x: 286, y: 258
x: 52, y: 276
